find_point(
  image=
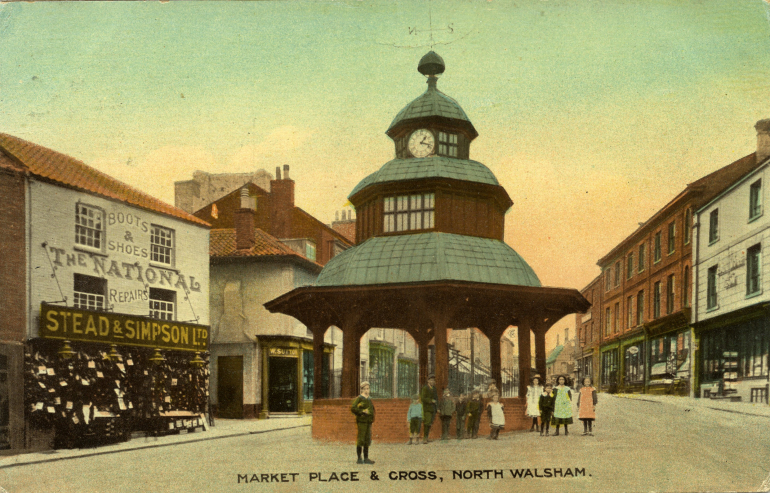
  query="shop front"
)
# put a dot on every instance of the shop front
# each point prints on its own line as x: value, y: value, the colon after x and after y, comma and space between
x: 634, y: 365
x: 610, y: 369
x: 96, y: 377
x: 668, y: 350
x: 288, y: 375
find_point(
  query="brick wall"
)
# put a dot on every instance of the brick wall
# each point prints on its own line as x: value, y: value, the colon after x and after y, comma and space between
x: 12, y: 251
x: 333, y: 421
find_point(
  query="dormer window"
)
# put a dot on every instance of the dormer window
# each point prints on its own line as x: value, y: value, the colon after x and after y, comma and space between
x: 447, y: 144
x: 408, y: 212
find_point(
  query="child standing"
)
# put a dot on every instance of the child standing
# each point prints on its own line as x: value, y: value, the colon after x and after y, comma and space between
x: 363, y: 408
x: 462, y: 403
x: 587, y: 406
x: 562, y: 407
x: 446, y: 410
x: 414, y: 418
x: 546, y: 409
x: 496, y: 416
x: 533, y: 401
x: 474, y: 414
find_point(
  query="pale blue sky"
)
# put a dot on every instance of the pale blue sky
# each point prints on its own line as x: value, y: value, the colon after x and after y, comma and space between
x: 580, y: 105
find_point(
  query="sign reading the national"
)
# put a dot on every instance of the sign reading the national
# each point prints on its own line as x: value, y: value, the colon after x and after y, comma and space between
x: 58, y: 322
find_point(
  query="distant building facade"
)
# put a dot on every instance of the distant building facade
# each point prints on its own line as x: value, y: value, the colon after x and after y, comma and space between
x: 205, y: 188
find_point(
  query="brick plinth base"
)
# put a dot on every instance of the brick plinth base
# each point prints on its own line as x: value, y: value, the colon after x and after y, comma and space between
x: 333, y: 421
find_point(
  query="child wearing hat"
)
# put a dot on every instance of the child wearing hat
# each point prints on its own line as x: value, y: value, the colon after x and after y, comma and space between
x: 474, y: 414
x: 363, y: 408
x: 447, y: 409
x: 429, y: 400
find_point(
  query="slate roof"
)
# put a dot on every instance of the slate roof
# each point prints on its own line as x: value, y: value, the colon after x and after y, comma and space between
x: 56, y: 167
x: 555, y: 352
x: 429, y: 167
x: 428, y: 257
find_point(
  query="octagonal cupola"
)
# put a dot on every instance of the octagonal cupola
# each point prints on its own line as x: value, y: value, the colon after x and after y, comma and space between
x: 432, y: 185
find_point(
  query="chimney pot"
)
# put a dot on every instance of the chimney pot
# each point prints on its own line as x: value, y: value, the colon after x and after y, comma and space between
x: 336, y: 215
x: 285, y: 171
x: 246, y: 202
x: 277, y: 172
x: 763, y: 139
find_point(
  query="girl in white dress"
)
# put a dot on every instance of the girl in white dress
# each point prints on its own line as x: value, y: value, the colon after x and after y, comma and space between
x: 496, y: 416
x: 533, y: 400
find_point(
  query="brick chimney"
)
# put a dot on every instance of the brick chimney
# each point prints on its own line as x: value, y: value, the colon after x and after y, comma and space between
x: 281, y: 204
x: 244, y: 222
x: 763, y: 140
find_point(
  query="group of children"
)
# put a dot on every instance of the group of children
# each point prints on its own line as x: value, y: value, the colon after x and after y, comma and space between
x: 466, y: 408
x: 553, y: 406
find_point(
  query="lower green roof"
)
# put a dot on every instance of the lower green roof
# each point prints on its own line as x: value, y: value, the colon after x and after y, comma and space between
x: 425, y: 257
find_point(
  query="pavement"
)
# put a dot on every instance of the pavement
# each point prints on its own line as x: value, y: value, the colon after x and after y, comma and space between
x: 743, y: 408
x: 223, y: 428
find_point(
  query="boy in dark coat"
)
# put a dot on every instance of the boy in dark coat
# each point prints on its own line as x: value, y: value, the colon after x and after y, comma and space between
x: 429, y: 400
x: 546, y: 405
x: 460, y: 408
x: 447, y: 409
x: 475, y: 405
x: 363, y: 408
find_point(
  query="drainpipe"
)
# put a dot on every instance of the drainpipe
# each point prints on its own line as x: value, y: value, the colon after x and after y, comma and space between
x: 695, y: 339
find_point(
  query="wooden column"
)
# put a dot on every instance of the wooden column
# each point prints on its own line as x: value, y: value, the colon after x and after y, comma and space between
x: 422, y: 346
x: 318, y: 355
x: 350, y: 361
x: 264, y: 383
x: 442, y: 355
x: 525, y: 355
x: 540, y: 356
x: 495, y: 358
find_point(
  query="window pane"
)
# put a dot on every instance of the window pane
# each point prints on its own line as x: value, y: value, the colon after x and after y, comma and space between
x: 415, y: 220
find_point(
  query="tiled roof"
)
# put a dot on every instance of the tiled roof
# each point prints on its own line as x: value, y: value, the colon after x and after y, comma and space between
x: 222, y: 244
x: 68, y: 171
x: 429, y: 167
x: 428, y: 257
x: 432, y: 103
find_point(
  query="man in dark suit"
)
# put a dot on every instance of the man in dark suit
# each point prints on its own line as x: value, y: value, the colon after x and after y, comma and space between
x: 429, y: 399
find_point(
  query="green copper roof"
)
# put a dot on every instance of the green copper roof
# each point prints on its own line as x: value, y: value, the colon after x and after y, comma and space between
x: 432, y: 103
x: 429, y: 167
x: 428, y: 257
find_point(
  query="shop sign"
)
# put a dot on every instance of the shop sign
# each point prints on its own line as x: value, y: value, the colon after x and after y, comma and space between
x: 284, y: 352
x: 633, y: 350
x: 57, y: 322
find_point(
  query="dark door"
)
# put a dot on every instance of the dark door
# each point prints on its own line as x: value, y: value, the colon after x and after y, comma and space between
x: 230, y: 386
x: 282, y: 393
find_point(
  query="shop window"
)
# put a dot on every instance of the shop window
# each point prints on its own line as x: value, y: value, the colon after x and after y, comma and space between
x: 656, y: 251
x: 89, y: 226
x: 714, y: 226
x: 711, y: 288
x: 671, y: 238
x: 687, y: 226
x: 381, y: 370
x: 447, y: 144
x: 656, y: 300
x: 634, y: 363
x: 640, y: 308
x: 753, y: 269
x: 669, y: 356
x: 407, y: 378
x: 755, y: 200
x: 610, y: 367
x: 670, y: 295
x: 308, y: 370
x: 89, y: 292
x: 161, y: 245
x: 630, y: 266
x: 641, y: 257
x: 162, y: 302
x: 408, y: 212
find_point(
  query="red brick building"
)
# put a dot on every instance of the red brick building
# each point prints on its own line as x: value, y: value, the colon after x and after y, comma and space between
x: 645, y: 292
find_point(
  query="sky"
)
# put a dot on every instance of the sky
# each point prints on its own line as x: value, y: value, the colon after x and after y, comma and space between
x: 592, y: 114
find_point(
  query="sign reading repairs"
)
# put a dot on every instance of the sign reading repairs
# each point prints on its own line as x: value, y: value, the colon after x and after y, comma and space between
x: 58, y: 322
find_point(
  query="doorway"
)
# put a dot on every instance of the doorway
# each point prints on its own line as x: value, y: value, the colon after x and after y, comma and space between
x: 230, y: 386
x: 282, y: 390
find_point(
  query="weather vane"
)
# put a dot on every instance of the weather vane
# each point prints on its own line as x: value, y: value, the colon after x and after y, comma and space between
x: 443, y: 33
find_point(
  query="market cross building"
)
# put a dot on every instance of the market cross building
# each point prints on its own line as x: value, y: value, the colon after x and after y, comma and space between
x: 429, y: 257
x: 104, y: 327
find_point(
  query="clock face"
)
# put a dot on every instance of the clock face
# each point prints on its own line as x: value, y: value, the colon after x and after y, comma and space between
x: 421, y: 143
